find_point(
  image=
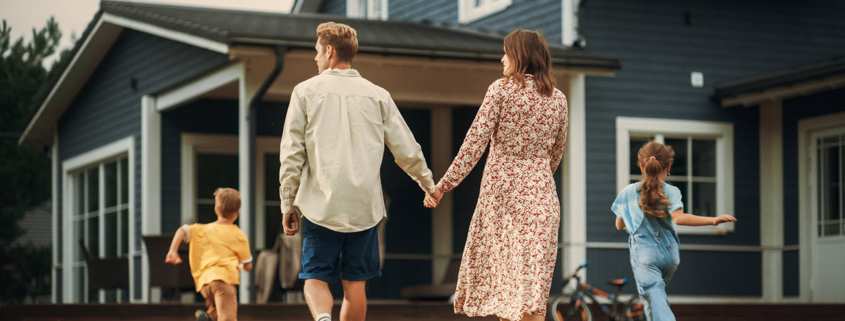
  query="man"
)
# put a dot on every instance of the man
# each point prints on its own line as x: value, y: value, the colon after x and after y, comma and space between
x: 331, y: 151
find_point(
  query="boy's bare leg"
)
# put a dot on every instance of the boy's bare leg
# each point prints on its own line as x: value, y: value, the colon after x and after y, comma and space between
x: 354, y: 306
x: 533, y: 318
x: 318, y: 297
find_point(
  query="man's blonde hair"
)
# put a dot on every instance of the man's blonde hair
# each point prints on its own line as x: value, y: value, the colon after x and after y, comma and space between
x: 341, y: 37
x: 227, y: 201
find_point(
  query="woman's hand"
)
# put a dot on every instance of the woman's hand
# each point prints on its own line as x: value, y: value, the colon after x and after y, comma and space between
x: 723, y: 219
x: 432, y: 200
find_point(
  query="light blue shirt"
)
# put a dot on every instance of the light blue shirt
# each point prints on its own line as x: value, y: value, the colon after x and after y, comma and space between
x: 627, y: 205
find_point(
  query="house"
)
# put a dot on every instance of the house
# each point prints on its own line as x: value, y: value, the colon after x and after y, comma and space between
x: 749, y: 93
x: 159, y: 105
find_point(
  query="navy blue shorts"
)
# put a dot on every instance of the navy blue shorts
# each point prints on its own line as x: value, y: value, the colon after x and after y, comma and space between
x: 323, y: 249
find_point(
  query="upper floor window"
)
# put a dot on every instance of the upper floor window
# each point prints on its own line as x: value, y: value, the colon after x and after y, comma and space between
x: 369, y: 9
x: 472, y: 10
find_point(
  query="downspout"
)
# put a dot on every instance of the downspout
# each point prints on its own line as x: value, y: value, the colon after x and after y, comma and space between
x: 253, y: 117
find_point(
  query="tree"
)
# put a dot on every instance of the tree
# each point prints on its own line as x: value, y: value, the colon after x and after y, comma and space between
x: 24, y: 171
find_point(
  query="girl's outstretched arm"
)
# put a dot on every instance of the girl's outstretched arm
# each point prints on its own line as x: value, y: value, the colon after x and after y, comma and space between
x: 681, y: 218
x: 620, y: 224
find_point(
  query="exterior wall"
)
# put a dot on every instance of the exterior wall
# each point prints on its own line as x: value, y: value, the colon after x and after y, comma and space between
x: 543, y: 15
x: 795, y: 110
x: 658, y: 50
x: 107, y: 109
x: 334, y: 7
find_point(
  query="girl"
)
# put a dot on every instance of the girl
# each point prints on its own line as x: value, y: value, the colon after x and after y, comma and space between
x: 653, y: 242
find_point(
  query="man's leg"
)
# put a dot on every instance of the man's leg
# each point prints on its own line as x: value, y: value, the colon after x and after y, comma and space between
x: 354, y: 306
x: 318, y: 297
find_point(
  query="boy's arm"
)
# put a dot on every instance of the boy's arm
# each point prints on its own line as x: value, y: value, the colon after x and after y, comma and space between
x: 173, y: 254
x: 681, y: 218
x: 620, y: 224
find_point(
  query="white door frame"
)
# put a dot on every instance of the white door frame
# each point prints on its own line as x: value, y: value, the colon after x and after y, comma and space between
x: 807, y: 191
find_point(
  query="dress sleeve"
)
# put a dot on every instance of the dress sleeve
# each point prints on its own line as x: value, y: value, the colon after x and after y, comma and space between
x: 476, y: 140
x: 560, y: 141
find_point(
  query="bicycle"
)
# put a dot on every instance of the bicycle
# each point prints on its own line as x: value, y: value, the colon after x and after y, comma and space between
x: 574, y: 306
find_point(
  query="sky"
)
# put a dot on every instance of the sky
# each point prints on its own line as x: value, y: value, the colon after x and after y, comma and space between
x: 73, y: 16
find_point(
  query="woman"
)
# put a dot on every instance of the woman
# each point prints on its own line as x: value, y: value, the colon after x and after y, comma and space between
x: 509, y: 258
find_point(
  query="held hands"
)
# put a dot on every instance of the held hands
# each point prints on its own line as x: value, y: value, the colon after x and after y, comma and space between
x: 723, y: 219
x: 290, y: 222
x: 173, y: 258
x: 432, y: 200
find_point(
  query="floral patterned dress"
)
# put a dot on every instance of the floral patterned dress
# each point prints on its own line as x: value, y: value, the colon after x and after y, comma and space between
x: 510, y: 253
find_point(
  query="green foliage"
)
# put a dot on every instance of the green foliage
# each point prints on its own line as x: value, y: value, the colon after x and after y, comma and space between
x: 24, y: 170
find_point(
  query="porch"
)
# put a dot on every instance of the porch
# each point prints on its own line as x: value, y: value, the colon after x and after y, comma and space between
x: 398, y: 311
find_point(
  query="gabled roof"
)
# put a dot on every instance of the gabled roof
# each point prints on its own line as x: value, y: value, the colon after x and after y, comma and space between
x: 298, y: 30
x: 803, y: 79
x: 220, y: 29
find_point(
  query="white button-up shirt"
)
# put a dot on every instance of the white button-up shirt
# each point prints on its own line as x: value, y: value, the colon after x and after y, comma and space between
x: 332, y: 146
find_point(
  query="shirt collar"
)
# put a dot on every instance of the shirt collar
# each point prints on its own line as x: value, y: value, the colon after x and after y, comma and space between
x: 342, y: 72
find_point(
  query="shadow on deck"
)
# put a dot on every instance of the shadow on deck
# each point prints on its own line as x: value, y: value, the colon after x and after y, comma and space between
x: 398, y: 311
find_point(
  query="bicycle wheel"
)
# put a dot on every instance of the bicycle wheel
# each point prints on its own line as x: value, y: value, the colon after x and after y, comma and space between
x: 634, y: 310
x: 565, y: 308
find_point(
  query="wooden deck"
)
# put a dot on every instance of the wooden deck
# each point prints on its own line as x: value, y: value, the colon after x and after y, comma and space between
x: 398, y: 311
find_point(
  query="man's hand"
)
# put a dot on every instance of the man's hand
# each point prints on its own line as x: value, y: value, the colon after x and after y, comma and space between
x: 290, y: 221
x: 173, y: 258
x: 723, y: 219
x: 432, y: 200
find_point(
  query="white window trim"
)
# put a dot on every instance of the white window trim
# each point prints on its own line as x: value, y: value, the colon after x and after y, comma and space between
x: 353, y: 9
x: 467, y: 13
x: 723, y: 132
x: 116, y: 149
x: 225, y: 145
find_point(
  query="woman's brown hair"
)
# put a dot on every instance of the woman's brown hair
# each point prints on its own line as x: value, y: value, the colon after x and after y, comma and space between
x: 529, y: 54
x: 655, y: 158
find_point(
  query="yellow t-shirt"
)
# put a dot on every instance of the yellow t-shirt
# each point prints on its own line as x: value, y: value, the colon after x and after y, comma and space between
x: 215, y: 251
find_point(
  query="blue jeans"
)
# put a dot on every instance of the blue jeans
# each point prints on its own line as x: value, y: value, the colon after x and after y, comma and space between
x: 654, y: 263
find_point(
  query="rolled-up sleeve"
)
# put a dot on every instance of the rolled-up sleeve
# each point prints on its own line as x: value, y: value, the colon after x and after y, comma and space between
x: 292, y: 154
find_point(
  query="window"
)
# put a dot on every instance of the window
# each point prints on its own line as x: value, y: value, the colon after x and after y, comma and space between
x: 831, y: 151
x: 472, y: 10
x: 703, y: 167
x: 100, y: 222
x: 368, y: 9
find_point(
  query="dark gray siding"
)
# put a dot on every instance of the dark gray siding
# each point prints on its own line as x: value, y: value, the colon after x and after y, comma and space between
x: 107, y: 109
x: 658, y: 50
x: 700, y: 272
x: 334, y: 7
x: 414, y: 10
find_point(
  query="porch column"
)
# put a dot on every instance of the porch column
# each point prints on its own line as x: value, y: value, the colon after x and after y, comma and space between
x: 574, y: 187
x: 441, y: 219
x: 150, y: 189
x: 771, y: 198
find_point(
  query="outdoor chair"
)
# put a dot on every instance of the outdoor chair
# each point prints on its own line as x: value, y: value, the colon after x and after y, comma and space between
x: 106, y: 273
x: 172, y: 279
x: 442, y: 291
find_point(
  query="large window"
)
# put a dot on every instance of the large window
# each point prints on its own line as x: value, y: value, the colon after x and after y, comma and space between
x: 831, y: 219
x: 100, y: 223
x: 702, y: 169
x: 472, y: 10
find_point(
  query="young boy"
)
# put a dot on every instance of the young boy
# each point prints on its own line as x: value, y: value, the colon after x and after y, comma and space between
x: 216, y: 252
